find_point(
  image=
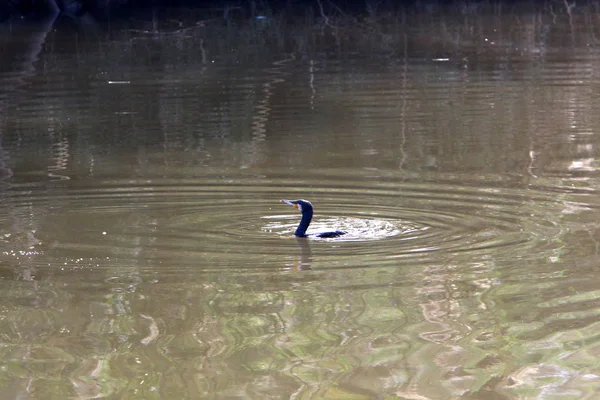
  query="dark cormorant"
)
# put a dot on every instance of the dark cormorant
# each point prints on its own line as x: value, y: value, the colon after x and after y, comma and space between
x: 306, y: 209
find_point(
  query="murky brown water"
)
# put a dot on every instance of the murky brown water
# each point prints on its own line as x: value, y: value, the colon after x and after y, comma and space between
x: 144, y: 252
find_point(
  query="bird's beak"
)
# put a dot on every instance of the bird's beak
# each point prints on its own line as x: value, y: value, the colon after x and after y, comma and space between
x: 289, y: 203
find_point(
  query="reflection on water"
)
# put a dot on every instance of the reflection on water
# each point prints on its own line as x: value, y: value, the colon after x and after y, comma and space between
x: 144, y: 252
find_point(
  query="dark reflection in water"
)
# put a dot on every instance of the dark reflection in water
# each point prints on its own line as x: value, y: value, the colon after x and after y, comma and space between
x: 143, y: 251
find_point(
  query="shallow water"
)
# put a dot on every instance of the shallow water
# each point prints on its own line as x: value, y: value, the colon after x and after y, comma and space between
x: 144, y: 252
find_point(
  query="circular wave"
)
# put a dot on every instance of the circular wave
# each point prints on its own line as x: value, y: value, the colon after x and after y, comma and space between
x: 237, y: 221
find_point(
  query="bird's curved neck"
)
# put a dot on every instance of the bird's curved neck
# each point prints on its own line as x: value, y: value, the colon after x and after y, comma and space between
x: 304, y: 222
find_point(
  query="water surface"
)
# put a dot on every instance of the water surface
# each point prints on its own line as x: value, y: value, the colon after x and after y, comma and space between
x: 144, y: 252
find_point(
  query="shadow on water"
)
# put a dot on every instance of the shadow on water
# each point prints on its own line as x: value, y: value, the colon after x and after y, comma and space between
x: 305, y: 258
x: 143, y: 251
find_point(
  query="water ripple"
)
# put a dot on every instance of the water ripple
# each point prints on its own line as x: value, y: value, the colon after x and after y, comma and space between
x: 237, y: 221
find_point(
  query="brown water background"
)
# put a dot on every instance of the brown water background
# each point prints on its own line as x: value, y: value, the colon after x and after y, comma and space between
x: 144, y: 252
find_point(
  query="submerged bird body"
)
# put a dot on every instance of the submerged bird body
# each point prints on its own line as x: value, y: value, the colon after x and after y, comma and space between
x: 306, y: 209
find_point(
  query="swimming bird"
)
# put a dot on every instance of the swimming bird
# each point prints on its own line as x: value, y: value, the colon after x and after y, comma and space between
x: 306, y: 209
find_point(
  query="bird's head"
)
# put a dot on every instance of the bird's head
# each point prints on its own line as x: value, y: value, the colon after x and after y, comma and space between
x: 303, y: 205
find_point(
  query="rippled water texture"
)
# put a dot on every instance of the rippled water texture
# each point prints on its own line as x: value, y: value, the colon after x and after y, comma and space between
x: 144, y: 251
